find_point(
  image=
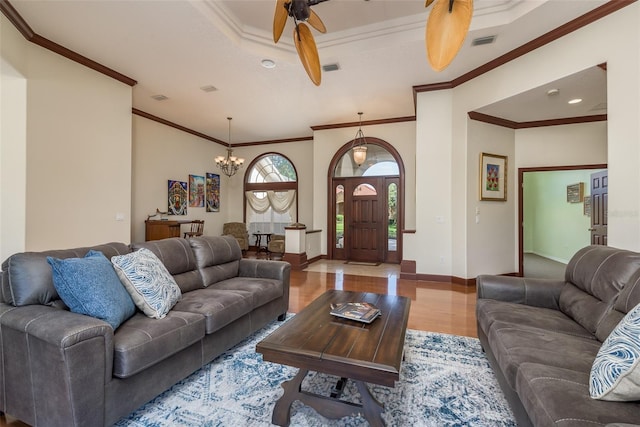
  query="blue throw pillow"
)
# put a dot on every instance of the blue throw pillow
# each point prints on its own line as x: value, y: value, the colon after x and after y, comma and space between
x: 615, y: 373
x: 91, y: 286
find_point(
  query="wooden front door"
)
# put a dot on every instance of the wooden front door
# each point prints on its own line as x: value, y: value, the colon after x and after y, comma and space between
x: 599, y: 206
x: 365, y: 213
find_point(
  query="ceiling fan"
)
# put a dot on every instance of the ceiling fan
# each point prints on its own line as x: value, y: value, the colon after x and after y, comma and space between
x: 447, y: 27
x: 300, y: 11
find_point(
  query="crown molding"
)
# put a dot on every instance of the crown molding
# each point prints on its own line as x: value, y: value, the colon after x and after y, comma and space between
x: 165, y: 122
x: 21, y: 25
x: 365, y: 123
x: 474, y: 115
x: 571, y: 26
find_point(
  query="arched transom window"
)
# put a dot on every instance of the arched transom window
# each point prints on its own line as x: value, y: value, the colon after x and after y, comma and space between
x: 271, y: 188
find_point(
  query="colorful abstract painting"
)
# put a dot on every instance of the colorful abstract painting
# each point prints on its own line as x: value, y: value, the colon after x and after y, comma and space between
x: 177, y: 198
x: 196, y: 191
x: 213, y: 192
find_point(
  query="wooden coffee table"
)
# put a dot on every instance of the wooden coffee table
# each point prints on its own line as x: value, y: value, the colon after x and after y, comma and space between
x: 313, y: 340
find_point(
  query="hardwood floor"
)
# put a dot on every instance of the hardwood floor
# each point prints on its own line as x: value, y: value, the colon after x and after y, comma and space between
x: 438, y: 307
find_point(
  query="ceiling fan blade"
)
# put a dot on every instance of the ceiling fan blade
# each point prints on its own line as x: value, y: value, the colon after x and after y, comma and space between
x: 279, y: 19
x: 308, y: 52
x: 315, y: 21
x: 428, y: 3
x: 446, y: 31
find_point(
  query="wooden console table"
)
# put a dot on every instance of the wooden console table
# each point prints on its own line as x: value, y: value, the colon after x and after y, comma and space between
x: 162, y: 229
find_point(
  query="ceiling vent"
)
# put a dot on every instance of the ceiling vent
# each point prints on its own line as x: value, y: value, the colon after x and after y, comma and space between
x: 209, y: 88
x: 483, y: 40
x: 159, y: 97
x: 330, y: 67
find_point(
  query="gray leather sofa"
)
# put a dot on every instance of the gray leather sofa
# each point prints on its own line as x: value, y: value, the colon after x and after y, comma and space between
x: 60, y: 368
x: 541, y: 337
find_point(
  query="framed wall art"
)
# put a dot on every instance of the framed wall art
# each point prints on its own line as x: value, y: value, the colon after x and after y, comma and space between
x: 575, y: 192
x: 177, y: 197
x: 196, y: 191
x: 213, y: 192
x: 493, y: 177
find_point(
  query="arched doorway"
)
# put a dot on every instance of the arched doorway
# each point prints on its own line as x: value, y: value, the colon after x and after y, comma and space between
x: 366, y: 204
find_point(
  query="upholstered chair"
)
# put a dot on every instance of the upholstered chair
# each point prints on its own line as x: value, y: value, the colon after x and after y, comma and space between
x: 276, y: 245
x: 239, y: 231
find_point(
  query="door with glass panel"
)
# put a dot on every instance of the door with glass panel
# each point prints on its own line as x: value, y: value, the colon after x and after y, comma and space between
x: 365, y: 218
x: 365, y: 204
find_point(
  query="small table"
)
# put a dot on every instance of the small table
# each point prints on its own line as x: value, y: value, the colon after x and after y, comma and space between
x: 365, y: 353
x: 259, y: 244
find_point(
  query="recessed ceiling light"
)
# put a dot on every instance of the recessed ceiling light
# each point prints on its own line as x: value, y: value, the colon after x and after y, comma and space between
x: 553, y: 92
x: 268, y: 63
x: 575, y: 101
x: 209, y: 88
x: 159, y: 97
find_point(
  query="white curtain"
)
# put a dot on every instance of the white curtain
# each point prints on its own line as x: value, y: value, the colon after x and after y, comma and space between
x: 279, y: 201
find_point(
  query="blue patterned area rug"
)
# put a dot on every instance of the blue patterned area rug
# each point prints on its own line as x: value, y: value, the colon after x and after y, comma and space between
x: 445, y: 380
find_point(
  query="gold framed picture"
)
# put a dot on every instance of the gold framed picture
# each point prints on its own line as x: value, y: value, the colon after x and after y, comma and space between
x: 575, y: 193
x: 493, y: 177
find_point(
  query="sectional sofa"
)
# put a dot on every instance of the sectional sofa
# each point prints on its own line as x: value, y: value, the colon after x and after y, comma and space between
x: 61, y: 368
x: 566, y: 352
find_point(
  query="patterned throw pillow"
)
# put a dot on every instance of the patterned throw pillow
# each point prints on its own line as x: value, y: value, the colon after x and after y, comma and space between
x: 615, y: 374
x: 153, y: 289
x: 90, y: 286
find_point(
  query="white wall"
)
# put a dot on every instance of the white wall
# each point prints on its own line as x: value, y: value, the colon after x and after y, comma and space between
x: 496, y: 225
x: 431, y: 245
x: 576, y: 144
x: 548, y: 63
x: 162, y: 153
x: 327, y: 142
x: 13, y: 160
x: 77, y: 174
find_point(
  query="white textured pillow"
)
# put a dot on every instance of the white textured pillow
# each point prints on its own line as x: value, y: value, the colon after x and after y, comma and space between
x: 151, y: 286
x: 615, y: 374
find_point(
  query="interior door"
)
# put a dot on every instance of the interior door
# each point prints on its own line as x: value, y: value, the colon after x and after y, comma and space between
x: 599, y: 206
x: 365, y: 231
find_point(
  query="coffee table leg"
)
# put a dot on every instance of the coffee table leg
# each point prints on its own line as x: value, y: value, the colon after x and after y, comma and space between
x: 372, y: 408
x: 282, y: 411
x: 330, y: 407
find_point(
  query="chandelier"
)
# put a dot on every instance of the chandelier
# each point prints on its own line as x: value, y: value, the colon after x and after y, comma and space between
x: 229, y: 164
x: 359, y: 145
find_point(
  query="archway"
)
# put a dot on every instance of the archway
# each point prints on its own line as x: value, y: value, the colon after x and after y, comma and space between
x: 366, y: 204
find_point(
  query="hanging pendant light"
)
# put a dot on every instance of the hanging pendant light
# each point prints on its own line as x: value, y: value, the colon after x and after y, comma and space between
x: 229, y: 164
x: 359, y: 145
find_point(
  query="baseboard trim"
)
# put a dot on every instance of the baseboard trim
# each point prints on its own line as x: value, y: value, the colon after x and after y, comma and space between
x: 297, y: 261
x: 408, y: 272
x: 317, y: 258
